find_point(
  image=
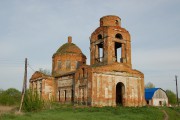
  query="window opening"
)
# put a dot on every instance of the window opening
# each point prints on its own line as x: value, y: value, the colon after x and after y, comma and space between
x: 59, y: 96
x: 118, y: 36
x: 83, y: 72
x: 99, y: 36
x: 68, y: 64
x: 160, y: 103
x: 36, y: 86
x: 117, y: 50
x: 82, y: 94
x: 100, y: 52
x: 147, y: 101
x: 72, y: 95
x: 65, y: 95
x: 40, y: 90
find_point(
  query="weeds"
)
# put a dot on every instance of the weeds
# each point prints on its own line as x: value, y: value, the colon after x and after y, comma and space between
x: 32, y: 101
x: 70, y: 112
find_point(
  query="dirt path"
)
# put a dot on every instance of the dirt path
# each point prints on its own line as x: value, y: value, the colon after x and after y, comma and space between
x: 4, y: 109
x: 166, y: 117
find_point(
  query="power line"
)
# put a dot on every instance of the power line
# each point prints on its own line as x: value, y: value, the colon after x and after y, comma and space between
x: 30, y: 67
x: 6, y: 60
x: 9, y: 65
x: 11, y: 59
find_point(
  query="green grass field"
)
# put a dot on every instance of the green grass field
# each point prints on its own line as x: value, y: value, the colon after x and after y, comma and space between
x: 91, y: 113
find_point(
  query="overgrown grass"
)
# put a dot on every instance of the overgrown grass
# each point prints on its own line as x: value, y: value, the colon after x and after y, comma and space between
x: 173, y: 112
x: 69, y: 112
x: 32, y: 101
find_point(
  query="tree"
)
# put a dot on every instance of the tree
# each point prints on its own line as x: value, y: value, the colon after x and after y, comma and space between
x: 1, y: 91
x: 149, y: 85
x: 10, y: 96
x: 45, y: 71
x: 171, y: 97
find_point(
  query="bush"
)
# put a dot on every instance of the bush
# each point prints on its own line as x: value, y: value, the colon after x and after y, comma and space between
x: 10, y: 96
x: 32, y: 101
x: 171, y: 97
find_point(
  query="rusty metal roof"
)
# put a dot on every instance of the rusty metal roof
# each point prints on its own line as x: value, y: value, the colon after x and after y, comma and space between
x: 149, y: 92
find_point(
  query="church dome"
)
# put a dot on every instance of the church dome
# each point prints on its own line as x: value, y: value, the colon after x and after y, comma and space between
x: 69, y: 47
x: 110, y: 20
x: 67, y: 58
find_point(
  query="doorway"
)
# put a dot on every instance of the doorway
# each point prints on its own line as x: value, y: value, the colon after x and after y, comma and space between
x: 120, y: 90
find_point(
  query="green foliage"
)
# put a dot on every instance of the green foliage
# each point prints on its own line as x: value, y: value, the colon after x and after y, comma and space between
x: 171, y: 97
x: 1, y: 91
x: 32, y: 101
x: 149, y: 85
x: 10, y: 96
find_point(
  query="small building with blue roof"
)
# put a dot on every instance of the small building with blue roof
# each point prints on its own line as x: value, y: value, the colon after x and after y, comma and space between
x: 156, y: 97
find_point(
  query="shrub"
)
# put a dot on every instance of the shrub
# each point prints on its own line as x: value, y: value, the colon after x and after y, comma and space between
x: 10, y: 96
x: 171, y: 97
x: 32, y: 101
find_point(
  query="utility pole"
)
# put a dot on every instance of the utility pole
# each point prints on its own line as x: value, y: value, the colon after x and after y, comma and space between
x: 177, y: 90
x: 24, y: 85
x: 25, y: 75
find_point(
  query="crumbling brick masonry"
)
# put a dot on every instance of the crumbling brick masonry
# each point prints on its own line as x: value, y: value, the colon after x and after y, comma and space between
x: 109, y: 80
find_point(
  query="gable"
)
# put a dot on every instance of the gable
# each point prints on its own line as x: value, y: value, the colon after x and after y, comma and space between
x: 160, y: 94
x: 36, y: 75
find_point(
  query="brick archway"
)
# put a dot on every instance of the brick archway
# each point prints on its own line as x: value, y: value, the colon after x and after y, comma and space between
x: 120, y: 90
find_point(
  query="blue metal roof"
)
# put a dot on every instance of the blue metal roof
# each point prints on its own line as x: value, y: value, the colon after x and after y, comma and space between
x: 149, y: 92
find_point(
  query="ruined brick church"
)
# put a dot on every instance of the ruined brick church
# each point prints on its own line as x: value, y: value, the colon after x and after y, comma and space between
x: 109, y: 80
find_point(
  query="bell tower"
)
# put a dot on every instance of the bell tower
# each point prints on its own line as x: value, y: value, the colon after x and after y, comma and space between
x: 110, y: 43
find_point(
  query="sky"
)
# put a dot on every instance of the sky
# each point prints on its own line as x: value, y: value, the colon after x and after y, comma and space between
x: 35, y: 29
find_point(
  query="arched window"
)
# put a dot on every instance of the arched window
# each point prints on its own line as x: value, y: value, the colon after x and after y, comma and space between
x: 99, y: 36
x: 59, y: 95
x: 72, y: 95
x: 119, y: 36
x: 99, y: 49
x: 83, y: 72
x: 65, y: 92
